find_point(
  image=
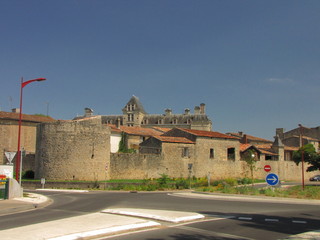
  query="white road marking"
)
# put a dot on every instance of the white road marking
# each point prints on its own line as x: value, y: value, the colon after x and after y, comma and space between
x: 271, y: 220
x: 245, y: 218
x: 296, y: 221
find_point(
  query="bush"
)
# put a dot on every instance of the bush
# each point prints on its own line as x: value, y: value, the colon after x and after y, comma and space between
x: 163, y: 181
x: 181, y: 183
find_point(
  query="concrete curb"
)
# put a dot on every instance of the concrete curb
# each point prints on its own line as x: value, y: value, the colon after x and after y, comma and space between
x: 162, y: 215
x: 107, y: 231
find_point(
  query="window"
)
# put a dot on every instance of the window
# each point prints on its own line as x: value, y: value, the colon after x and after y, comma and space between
x: 231, y: 154
x: 185, y: 152
x: 130, y: 117
x: 174, y: 121
x: 211, y: 153
x: 160, y: 121
x: 130, y: 107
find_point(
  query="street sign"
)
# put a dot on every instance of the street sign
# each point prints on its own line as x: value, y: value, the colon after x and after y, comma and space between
x: 10, y: 156
x: 267, y: 168
x: 272, y: 179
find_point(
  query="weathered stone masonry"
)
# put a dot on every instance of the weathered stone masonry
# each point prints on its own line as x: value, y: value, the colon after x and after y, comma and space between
x: 73, y: 150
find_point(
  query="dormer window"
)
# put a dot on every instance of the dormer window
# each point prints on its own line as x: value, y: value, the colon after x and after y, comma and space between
x: 130, y: 107
x: 160, y: 121
x: 174, y: 121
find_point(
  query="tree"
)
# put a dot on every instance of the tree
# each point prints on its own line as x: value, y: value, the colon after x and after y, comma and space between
x: 249, y: 158
x: 310, y: 156
x: 122, y: 144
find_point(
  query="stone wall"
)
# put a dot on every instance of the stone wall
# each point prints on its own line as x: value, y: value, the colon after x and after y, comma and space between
x: 73, y: 150
x: 9, y: 137
x: 136, y: 166
x: 145, y: 166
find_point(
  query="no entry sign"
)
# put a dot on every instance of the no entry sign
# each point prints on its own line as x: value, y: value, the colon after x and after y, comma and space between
x: 267, y: 168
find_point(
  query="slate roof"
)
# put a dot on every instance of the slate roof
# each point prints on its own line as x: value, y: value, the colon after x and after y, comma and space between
x: 25, y: 117
x: 135, y: 101
x: 201, y: 133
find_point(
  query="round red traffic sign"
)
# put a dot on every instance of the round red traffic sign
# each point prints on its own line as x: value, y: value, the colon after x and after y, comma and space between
x: 267, y: 168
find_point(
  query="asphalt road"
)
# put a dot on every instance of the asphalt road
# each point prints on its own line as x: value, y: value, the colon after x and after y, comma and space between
x: 236, y: 219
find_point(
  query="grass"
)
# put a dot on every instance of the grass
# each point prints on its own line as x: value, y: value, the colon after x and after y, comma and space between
x: 228, y: 186
x: 310, y: 192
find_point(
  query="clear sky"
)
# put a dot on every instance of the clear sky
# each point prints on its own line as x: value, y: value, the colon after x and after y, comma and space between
x: 255, y: 64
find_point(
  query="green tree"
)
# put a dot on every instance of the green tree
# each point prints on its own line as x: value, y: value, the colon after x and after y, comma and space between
x: 122, y: 144
x: 249, y: 158
x: 310, y: 156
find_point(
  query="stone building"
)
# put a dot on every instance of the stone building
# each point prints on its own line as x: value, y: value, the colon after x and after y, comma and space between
x: 9, y: 122
x: 133, y: 114
x: 199, y: 151
x: 294, y: 137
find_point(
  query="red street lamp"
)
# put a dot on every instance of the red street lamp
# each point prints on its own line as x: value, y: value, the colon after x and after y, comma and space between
x: 18, y: 162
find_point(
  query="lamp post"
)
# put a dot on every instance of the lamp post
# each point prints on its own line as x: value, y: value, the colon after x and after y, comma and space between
x: 18, y: 162
x: 302, y: 154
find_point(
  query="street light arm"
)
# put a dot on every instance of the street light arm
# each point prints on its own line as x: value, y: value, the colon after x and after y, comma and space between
x: 23, y: 84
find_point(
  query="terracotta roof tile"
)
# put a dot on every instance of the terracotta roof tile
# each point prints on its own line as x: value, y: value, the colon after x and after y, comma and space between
x: 249, y: 137
x: 174, y: 139
x: 244, y: 147
x: 201, y: 133
x: 25, y: 117
x: 140, y: 131
x: 162, y: 129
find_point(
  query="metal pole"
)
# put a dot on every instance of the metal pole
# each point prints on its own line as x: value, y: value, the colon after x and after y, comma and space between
x: 302, y: 155
x: 21, y: 152
x: 19, y: 135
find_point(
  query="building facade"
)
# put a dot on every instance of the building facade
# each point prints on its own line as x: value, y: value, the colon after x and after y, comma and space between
x: 134, y: 115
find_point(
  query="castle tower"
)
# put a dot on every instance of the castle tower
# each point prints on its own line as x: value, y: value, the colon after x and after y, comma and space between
x: 133, y: 112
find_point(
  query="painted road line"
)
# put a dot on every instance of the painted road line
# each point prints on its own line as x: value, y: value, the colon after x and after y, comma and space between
x: 297, y: 221
x: 245, y: 218
x: 271, y: 220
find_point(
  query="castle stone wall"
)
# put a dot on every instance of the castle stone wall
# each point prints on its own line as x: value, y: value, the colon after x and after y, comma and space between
x: 9, y: 138
x: 136, y: 166
x: 73, y: 150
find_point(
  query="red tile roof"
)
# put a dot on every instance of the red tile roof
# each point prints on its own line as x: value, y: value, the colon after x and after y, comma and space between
x: 140, y: 131
x: 162, y: 129
x: 174, y: 139
x: 244, y: 147
x: 25, y: 117
x: 249, y: 137
x: 201, y: 133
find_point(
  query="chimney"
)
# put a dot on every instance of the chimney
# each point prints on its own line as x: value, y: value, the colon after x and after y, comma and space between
x: 280, y: 132
x: 118, y: 123
x: 187, y: 111
x: 88, y: 112
x: 168, y: 112
x: 15, y: 110
x: 241, y: 134
x: 202, y: 108
x: 196, y: 110
x: 245, y: 139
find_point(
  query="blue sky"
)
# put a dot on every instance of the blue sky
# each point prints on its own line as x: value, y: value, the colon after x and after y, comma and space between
x: 255, y: 64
